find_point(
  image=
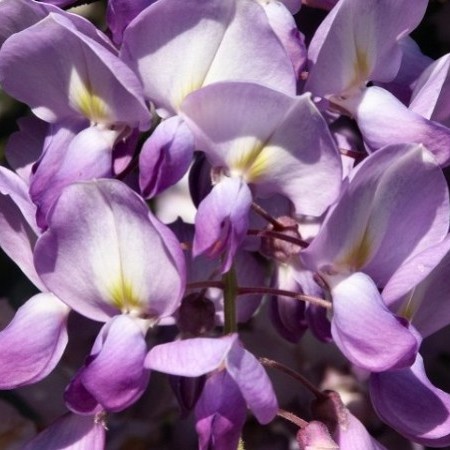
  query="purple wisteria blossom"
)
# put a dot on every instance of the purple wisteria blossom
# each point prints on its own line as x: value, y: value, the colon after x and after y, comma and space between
x: 302, y: 147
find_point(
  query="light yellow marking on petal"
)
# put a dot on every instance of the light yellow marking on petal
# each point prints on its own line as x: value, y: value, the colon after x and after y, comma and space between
x: 408, y: 308
x: 123, y: 298
x: 249, y: 161
x: 359, y: 254
x: 83, y: 99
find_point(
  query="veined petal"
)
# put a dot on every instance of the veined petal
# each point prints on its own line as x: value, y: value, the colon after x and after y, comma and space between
x: 253, y: 382
x: 430, y: 97
x: 190, y: 357
x: 221, y: 222
x: 395, y: 206
x: 28, y: 357
x: 165, y: 156
x: 18, y: 227
x: 68, y: 158
x: 90, y: 81
x: 384, y: 120
x: 207, y: 41
x: 408, y: 402
x: 359, y: 40
x: 16, y: 15
x: 368, y: 334
x: 419, y: 289
x: 220, y: 413
x: 113, y: 258
x: 70, y: 432
x: 114, y: 374
x: 258, y: 140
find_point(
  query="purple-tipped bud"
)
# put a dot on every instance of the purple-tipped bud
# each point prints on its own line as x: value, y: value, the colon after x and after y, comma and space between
x: 279, y: 249
x: 315, y: 436
x: 330, y: 410
x: 196, y: 315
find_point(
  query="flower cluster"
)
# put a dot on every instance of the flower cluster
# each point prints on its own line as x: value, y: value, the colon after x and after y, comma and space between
x: 315, y: 183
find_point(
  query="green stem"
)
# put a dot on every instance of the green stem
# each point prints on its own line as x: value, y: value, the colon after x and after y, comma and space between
x: 229, y: 295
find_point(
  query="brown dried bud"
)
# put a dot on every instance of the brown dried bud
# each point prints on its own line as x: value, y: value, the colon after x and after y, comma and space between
x: 279, y: 249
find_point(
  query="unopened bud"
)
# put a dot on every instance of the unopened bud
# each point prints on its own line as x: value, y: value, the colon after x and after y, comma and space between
x: 315, y: 436
x: 277, y: 248
x: 196, y: 315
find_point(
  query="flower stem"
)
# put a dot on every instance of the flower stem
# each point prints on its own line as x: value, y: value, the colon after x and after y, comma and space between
x: 278, y: 235
x: 292, y: 418
x: 230, y: 292
x: 271, y: 291
x: 295, y: 375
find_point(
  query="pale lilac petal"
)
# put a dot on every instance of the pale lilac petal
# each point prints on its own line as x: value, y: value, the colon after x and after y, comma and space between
x: 384, y: 120
x: 165, y: 156
x: 395, y: 206
x: 17, y: 224
x: 17, y: 239
x: 190, y: 357
x: 16, y: 15
x: 221, y: 222
x: 258, y: 140
x: 70, y: 432
x: 407, y: 401
x: 414, y: 62
x: 430, y: 97
x: 89, y: 80
x: 86, y: 156
x: 207, y: 41
x: 28, y: 357
x: 16, y: 188
x: 359, y: 40
x: 220, y: 413
x: 368, y: 334
x: 114, y: 373
x: 284, y: 26
x: 420, y: 289
x: 253, y: 382
x: 113, y: 258
x: 293, y: 6
x: 353, y: 435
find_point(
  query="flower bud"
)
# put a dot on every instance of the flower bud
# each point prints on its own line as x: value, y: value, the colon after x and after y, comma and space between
x: 196, y: 315
x: 280, y: 249
x: 315, y: 436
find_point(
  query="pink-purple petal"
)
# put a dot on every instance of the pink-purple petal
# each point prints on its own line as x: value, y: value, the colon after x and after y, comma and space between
x: 359, y: 40
x: 70, y: 432
x: 221, y: 222
x: 220, y: 413
x: 114, y: 374
x: 165, y: 156
x: 190, y: 357
x: 368, y: 334
x: 28, y: 357
x: 384, y: 120
x: 258, y: 140
x: 113, y: 258
x: 412, y: 405
x: 207, y: 41
x: 89, y: 81
x: 253, y: 382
